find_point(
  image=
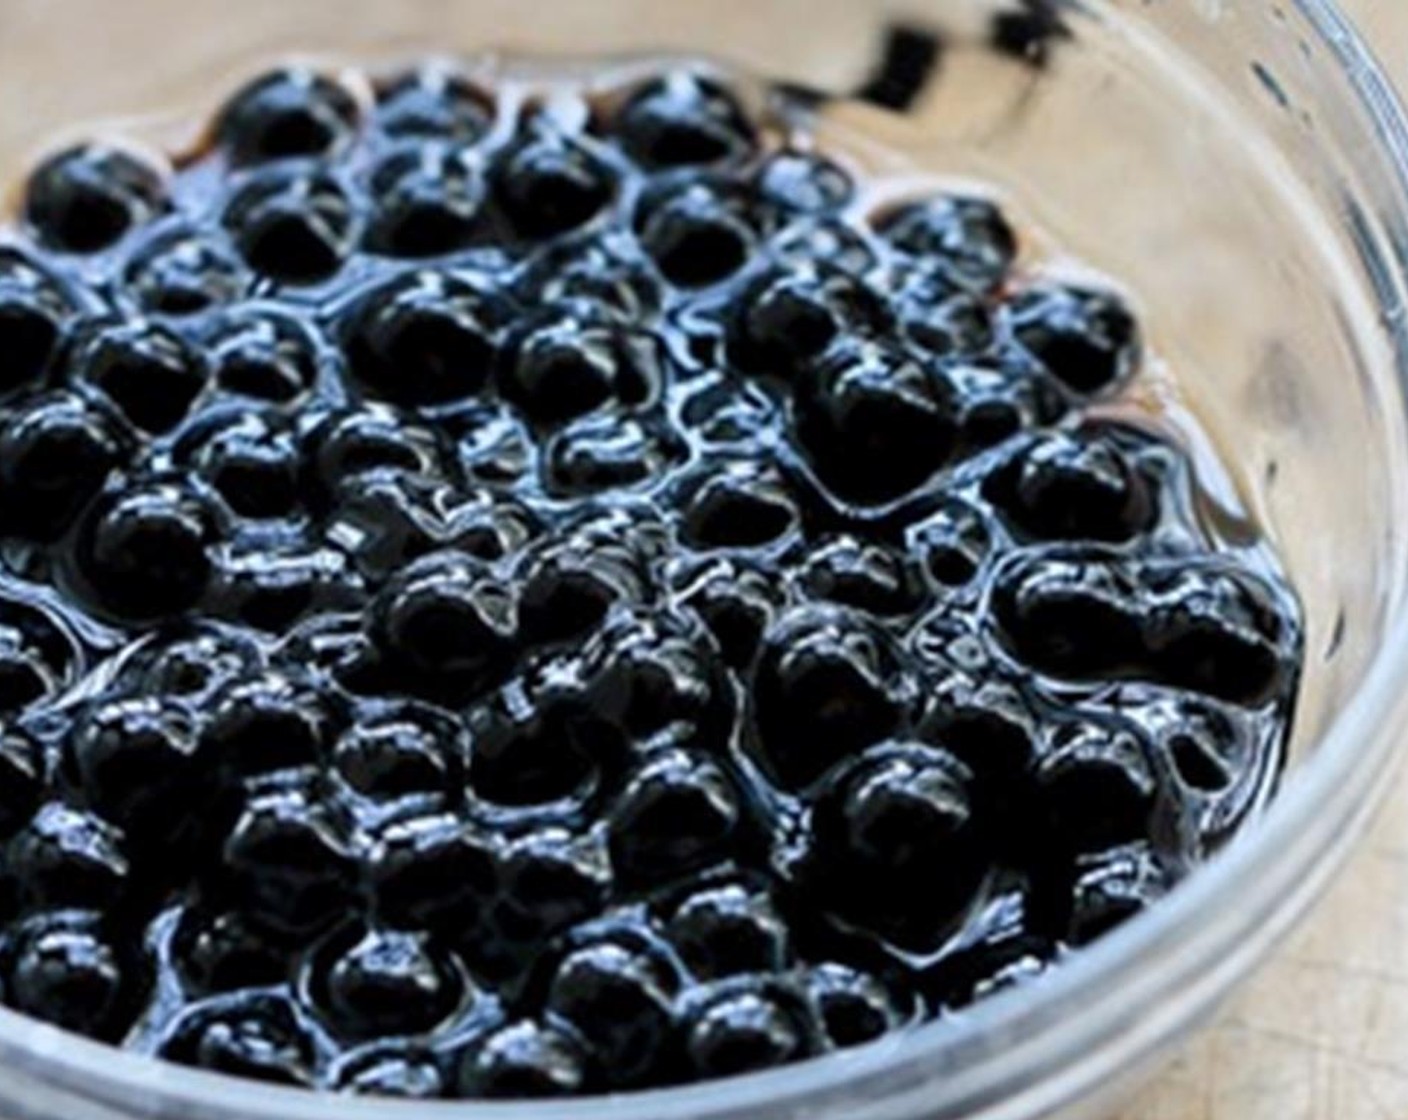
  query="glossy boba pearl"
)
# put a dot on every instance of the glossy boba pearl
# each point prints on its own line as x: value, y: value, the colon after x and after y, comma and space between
x: 697, y: 234
x: 551, y: 880
x: 875, y: 424
x: 391, y: 1071
x: 183, y: 270
x: 622, y: 1006
x: 56, y: 453
x: 143, y: 553
x: 386, y: 983
x: 434, y: 103
x: 403, y: 752
x: 66, y: 970
x: 1077, y: 486
x: 263, y: 355
x: 902, y: 825
x: 680, y: 812
x: 433, y: 873
x: 449, y: 617
x: 549, y: 184
x: 424, y: 339
x: 87, y: 199
x: 683, y: 120
x: 284, y: 114
x: 743, y: 1031
x: 263, y: 723
x: 252, y: 463
x: 854, y: 1007
x: 151, y: 374
x: 729, y: 931
x: 1087, y: 340
x: 526, y: 1060
x: 572, y: 363
x: 428, y: 202
x: 68, y: 857
x: 293, y: 226
x: 966, y: 240
x: 1096, y: 787
x: 134, y: 759
x: 255, y: 1035
x: 824, y: 688
x: 34, y: 317
x: 805, y: 182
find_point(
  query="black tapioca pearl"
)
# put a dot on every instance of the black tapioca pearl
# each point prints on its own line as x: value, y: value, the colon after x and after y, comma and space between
x: 449, y: 620
x: 264, y: 355
x: 215, y: 952
x: 67, y: 857
x: 902, y: 822
x: 787, y: 320
x: 143, y: 553
x: 967, y: 240
x: 737, y: 602
x: 875, y: 425
x: 56, y: 453
x: 287, y: 113
x: 805, y: 182
x: 67, y: 969
x: 683, y: 120
x: 263, y: 723
x: 549, y: 184
x: 424, y: 339
x: 616, y: 999
x: 434, y: 873
x: 150, y: 373
x: 35, y: 316
x: 572, y: 582
x: 551, y: 880
x: 730, y: 930
x: 604, y: 452
x: 570, y: 363
x: 250, y: 460
x: 826, y: 686
x: 548, y: 756
x: 287, y: 860
x: 86, y: 199
x: 375, y: 983
x: 405, y: 751
x: 745, y: 1026
x: 294, y: 226
x: 1087, y: 340
x: 372, y: 441
x: 678, y: 813
x: 1095, y: 788
x: 183, y: 270
x: 699, y: 232
x: 866, y: 575
x: 854, y: 1006
x: 1077, y: 486
x: 390, y: 1071
x: 428, y: 202
x: 1220, y: 631
x: 256, y: 1035
x: 526, y: 1060
x: 653, y: 672
x: 951, y: 545
x: 434, y: 103
x: 1071, y: 616
x: 750, y: 506
x: 135, y: 760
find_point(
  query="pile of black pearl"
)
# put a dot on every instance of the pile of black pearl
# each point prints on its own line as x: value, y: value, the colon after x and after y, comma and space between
x: 511, y: 595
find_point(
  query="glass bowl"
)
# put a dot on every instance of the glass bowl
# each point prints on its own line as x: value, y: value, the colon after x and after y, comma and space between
x: 1243, y: 167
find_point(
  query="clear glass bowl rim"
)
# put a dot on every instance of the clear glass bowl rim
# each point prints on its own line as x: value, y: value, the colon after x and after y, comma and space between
x: 1007, y: 1048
